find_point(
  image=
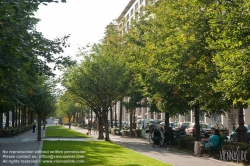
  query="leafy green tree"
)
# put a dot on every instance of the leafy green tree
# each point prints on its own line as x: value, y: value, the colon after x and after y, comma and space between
x: 24, y: 51
x: 39, y: 94
x: 135, y: 98
x: 98, y: 81
x: 67, y: 106
x: 173, y: 52
x: 229, y: 25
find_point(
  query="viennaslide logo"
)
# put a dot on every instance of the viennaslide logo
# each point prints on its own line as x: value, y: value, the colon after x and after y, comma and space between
x: 233, y: 155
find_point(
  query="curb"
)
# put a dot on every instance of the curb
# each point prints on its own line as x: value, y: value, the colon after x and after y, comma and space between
x: 40, y: 148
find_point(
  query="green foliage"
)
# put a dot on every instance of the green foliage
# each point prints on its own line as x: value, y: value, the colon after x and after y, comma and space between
x: 101, y: 79
x: 186, y: 142
x: 25, y: 53
x: 229, y: 24
x: 167, y: 50
x: 67, y: 105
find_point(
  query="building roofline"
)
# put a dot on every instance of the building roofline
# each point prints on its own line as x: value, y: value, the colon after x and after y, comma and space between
x: 131, y: 2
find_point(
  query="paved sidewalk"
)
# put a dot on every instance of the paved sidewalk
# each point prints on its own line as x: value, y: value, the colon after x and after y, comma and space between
x: 21, y: 147
x: 171, y: 156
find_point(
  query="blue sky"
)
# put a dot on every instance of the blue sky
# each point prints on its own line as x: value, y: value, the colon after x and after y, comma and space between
x: 85, y: 20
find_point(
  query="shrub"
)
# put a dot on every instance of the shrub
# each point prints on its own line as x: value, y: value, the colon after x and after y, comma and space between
x: 237, y: 147
x: 186, y: 142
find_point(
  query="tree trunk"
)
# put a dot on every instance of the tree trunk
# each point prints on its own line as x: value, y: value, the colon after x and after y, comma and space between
x: 241, y: 130
x: 91, y: 116
x: 120, y: 126
x: 106, y: 125
x: 77, y: 114
x: 16, y: 117
x: 100, y: 127
x: 115, y: 116
x: 25, y: 115
x: 74, y: 118
x: 7, y: 119
x: 111, y: 117
x: 197, y: 122
x: 166, y: 121
x: 39, y: 137
x: 19, y: 117
x: 83, y: 120
x: 131, y: 121
x: 44, y: 123
x: 13, y: 116
x: 22, y: 115
x: 69, y: 117
x: 1, y: 119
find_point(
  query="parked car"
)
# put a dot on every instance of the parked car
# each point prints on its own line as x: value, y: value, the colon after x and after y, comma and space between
x: 191, y: 129
x: 4, y: 124
x: 234, y: 134
x: 125, y: 125
x: 181, y: 126
x: 142, y: 123
x: 153, y: 124
x: 223, y: 130
x: 171, y: 124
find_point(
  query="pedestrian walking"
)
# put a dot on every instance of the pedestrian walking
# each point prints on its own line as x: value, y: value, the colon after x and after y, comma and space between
x: 34, y: 126
x: 89, y: 126
x: 95, y: 127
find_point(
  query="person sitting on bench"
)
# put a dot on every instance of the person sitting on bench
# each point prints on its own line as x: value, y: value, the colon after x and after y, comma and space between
x: 210, y: 142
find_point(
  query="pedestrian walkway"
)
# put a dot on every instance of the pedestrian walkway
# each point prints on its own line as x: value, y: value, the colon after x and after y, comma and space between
x: 171, y: 156
x: 20, y: 147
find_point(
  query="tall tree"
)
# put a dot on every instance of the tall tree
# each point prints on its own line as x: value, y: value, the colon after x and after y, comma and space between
x: 67, y: 106
x: 99, y: 81
x: 229, y: 23
x: 171, y: 38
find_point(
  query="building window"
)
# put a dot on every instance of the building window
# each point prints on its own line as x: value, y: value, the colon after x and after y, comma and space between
x: 131, y: 12
x: 188, y: 117
x: 127, y: 26
x: 141, y: 1
x: 202, y: 118
x: 136, y: 6
x: 215, y: 119
x: 141, y: 10
x: 136, y: 17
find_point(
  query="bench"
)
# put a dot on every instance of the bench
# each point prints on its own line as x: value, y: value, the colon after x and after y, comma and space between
x: 212, y: 150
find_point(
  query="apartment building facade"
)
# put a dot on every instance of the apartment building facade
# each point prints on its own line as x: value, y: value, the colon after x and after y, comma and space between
x: 229, y: 120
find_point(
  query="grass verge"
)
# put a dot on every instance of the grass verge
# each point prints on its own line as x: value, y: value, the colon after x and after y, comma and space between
x: 62, y: 132
x: 93, y: 153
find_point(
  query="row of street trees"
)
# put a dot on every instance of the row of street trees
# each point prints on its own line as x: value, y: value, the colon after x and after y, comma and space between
x: 25, y: 63
x: 182, y: 55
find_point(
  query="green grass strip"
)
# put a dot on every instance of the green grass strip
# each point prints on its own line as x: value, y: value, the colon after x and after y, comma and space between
x: 92, y: 153
x: 63, y: 132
